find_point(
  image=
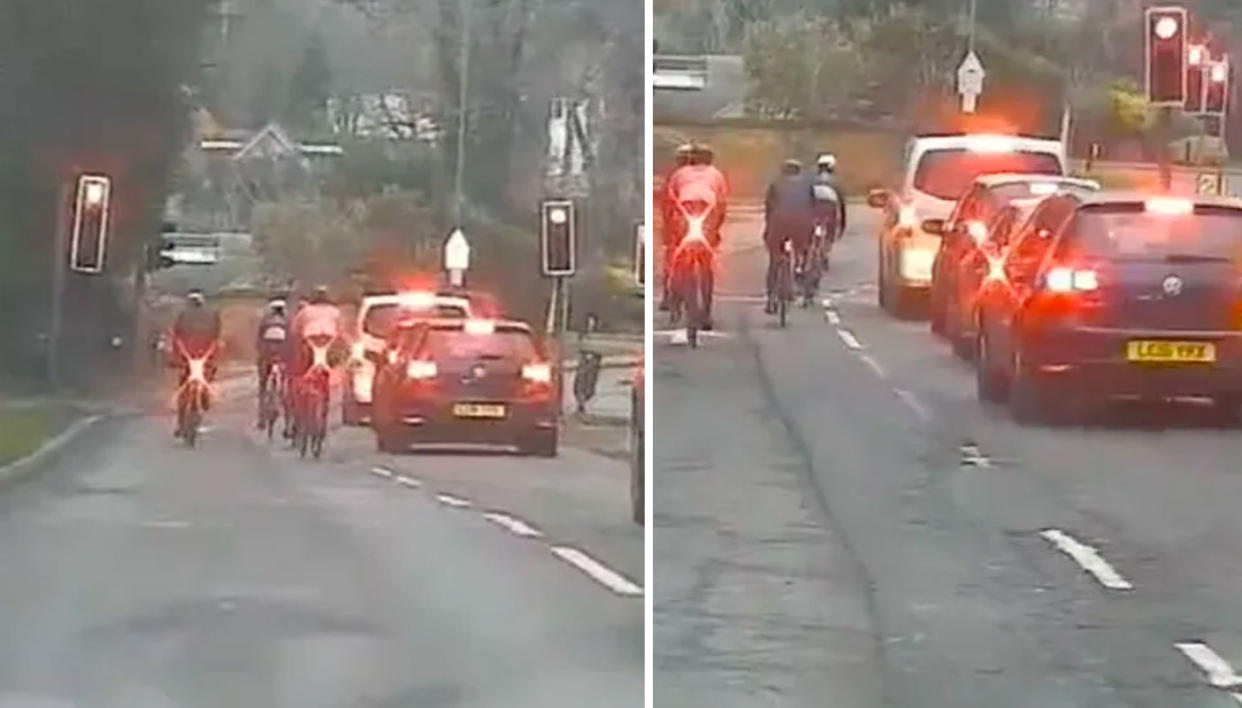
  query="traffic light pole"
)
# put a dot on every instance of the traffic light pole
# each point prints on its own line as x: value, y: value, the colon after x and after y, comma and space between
x: 60, y: 242
x: 1162, y: 136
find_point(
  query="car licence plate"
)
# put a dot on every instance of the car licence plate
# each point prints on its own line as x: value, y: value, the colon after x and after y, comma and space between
x: 479, y: 410
x: 1166, y: 351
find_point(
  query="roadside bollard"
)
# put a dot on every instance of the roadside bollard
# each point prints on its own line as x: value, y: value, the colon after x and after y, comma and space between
x: 586, y: 377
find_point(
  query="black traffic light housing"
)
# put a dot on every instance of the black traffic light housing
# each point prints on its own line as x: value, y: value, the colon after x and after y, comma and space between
x: 558, y: 237
x: 89, y: 239
x: 1165, y: 31
x: 1195, y: 73
x: 1217, y: 88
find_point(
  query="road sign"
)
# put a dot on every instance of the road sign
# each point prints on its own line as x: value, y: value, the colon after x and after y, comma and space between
x: 571, y: 146
x: 1208, y: 183
x: 970, y: 76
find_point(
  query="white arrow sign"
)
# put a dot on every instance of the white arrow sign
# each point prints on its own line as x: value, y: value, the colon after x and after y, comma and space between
x: 970, y: 77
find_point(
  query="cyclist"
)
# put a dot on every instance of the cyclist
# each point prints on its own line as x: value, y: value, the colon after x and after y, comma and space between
x: 318, y: 321
x: 270, y: 344
x: 829, y: 197
x: 700, y: 181
x: 788, y: 211
x: 195, y: 334
x: 669, y: 216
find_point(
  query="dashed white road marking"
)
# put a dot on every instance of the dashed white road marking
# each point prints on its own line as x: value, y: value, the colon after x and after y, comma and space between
x: 972, y: 456
x: 912, y: 401
x: 1217, y: 671
x: 833, y: 318
x: 1089, y: 558
x: 599, y: 572
x: 166, y: 524
x: 381, y: 472
x: 409, y: 481
x: 517, y: 526
x: 876, y: 366
x: 450, y: 500
x: 850, y: 340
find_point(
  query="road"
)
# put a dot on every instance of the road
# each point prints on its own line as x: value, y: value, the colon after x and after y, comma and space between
x: 136, y: 573
x: 838, y: 522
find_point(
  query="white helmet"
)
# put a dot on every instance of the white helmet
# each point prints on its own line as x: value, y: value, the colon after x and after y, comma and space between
x: 827, y: 161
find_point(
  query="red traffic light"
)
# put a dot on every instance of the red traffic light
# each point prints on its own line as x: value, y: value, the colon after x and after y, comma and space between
x: 90, y: 224
x: 1197, y: 55
x: 1167, y: 55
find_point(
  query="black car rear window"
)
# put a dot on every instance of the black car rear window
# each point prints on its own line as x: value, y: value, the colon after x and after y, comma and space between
x: 946, y: 174
x: 1130, y: 232
x: 455, y: 344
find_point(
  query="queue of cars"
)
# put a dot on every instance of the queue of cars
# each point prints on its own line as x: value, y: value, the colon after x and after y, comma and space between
x: 1065, y: 295
x: 426, y: 369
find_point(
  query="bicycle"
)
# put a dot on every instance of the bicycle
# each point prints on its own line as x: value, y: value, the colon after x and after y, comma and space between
x: 310, y: 428
x: 192, y: 395
x: 692, y: 266
x: 785, y: 282
x: 810, y: 264
x: 274, y: 398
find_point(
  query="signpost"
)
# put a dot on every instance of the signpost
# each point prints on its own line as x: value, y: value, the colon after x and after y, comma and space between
x: 970, y: 76
x: 457, y: 258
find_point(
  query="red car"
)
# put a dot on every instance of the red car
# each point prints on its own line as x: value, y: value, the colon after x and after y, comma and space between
x: 466, y: 382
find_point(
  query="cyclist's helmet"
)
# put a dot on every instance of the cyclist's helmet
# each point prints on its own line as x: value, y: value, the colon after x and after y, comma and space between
x: 827, y: 162
x: 195, y: 298
x: 684, y: 152
x: 276, y: 306
x: 791, y: 167
x: 703, y: 154
x: 320, y: 296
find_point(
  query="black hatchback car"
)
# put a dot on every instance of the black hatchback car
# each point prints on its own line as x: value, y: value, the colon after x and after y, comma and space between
x: 466, y: 382
x: 1117, y: 294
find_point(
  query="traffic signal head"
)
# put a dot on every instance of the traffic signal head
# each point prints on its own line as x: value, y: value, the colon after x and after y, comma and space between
x: 1166, y: 55
x: 1217, y: 88
x: 557, y: 238
x: 89, y: 238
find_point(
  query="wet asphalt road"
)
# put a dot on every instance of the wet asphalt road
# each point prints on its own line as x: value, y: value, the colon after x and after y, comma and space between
x: 839, y: 522
x: 136, y: 573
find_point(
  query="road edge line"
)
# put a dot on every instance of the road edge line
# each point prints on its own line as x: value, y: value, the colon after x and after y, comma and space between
x: 22, y: 466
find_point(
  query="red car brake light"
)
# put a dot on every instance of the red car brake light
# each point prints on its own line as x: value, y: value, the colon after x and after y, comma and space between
x: 537, y: 372
x: 420, y: 369
x: 1065, y: 280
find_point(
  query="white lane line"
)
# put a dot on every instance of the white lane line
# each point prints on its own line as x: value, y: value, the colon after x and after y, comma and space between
x: 827, y: 303
x: 875, y: 365
x: 409, y: 482
x: 913, y: 402
x: 972, y: 456
x: 381, y: 472
x: 1218, y: 671
x: 833, y: 318
x: 517, y: 526
x: 1089, y: 558
x: 166, y: 524
x: 450, y: 500
x: 850, y: 340
x: 599, y: 572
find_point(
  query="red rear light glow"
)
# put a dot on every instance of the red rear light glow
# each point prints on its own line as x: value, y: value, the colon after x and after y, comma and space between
x: 1169, y: 206
x: 479, y: 327
x: 978, y: 231
x: 537, y: 372
x: 420, y: 369
x: 1068, y: 280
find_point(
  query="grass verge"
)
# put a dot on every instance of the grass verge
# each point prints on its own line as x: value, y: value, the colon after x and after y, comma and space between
x: 24, y: 428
